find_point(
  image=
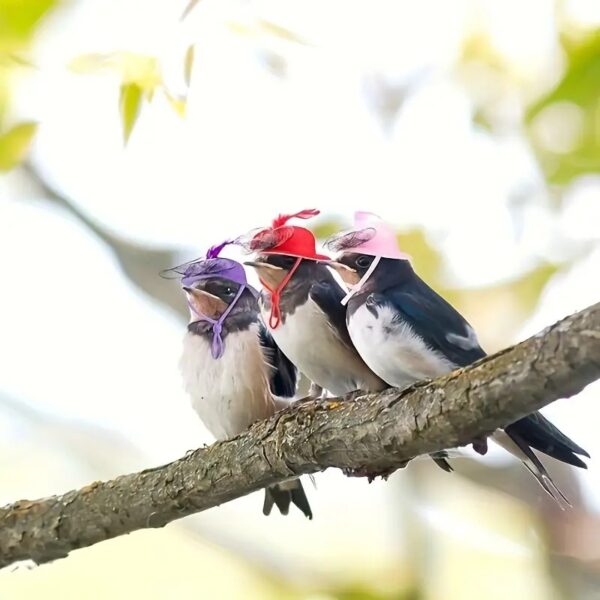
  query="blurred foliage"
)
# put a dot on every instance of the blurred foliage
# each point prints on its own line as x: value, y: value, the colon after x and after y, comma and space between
x: 14, y: 144
x: 563, y: 125
x: 579, y: 88
x: 326, y: 228
x: 140, y: 77
x: 19, y: 20
x: 136, y: 69
x: 427, y: 260
x: 188, y: 64
x: 363, y: 593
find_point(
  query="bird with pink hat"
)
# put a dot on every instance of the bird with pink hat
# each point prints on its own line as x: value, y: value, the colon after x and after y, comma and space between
x: 406, y: 332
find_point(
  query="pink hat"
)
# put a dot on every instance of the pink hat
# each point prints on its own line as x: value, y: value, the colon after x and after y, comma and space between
x: 370, y: 235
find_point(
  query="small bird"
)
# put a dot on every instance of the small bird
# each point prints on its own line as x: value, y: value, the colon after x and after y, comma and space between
x: 406, y: 332
x: 231, y: 367
x: 300, y: 304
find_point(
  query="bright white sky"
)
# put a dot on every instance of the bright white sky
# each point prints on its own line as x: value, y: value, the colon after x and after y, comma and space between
x: 79, y: 341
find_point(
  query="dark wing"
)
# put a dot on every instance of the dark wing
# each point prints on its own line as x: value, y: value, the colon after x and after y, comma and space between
x: 328, y: 295
x: 446, y: 331
x: 442, y: 327
x: 284, y: 375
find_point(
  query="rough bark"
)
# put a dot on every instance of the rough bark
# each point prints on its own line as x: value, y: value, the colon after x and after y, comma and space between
x: 374, y: 431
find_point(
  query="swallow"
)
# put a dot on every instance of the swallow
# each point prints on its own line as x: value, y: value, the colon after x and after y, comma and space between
x: 406, y: 332
x: 231, y: 367
x: 300, y: 304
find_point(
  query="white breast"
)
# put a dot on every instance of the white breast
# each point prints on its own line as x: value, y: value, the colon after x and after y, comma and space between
x: 232, y: 392
x: 393, y: 350
x: 312, y: 344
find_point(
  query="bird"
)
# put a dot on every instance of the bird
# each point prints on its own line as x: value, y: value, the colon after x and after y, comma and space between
x: 300, y: 304
x: 231, y: 367
x: 406, y: 332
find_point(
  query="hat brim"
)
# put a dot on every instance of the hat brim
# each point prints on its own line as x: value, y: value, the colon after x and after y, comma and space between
x: 296, y: 255
x: 396, y: 255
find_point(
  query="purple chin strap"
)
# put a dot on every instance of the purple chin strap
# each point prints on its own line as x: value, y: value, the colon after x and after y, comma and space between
x: 224, y: 268
x: 217, y: 346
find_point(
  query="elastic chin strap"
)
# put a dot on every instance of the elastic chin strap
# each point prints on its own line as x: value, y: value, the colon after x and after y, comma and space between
x: 217, y: 346
x: 275, y: 316
x: 355, y: 288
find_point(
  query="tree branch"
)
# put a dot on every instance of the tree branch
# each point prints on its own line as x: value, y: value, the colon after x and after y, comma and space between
x: 377, y: 431
x: 140, y: 263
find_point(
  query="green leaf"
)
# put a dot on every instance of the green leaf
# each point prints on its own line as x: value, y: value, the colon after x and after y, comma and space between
x: 19, y: 19
x: 188, y: 65
x: 130, y: 103
x: 14, y: 145
x: 579, y: 87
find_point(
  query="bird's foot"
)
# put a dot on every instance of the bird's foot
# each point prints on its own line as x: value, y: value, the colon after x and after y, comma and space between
x: 480, y: 445
x: 305, y: 399
x: 371, y: 474
x: 315, y: 391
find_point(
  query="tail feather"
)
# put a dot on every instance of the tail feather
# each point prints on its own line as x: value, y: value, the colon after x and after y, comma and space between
x: 286, y: 493
x: 516, y: 445
x: 440, y: 459
x: 539, y: 433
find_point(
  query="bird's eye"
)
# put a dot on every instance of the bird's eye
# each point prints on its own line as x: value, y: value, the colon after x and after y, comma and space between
x: 363, y: 262
x: 229, y: 291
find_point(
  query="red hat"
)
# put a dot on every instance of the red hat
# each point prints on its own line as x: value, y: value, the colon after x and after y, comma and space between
x: 288, y: 239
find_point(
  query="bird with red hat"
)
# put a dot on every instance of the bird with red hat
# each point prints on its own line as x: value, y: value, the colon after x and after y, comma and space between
x: 301, y: 306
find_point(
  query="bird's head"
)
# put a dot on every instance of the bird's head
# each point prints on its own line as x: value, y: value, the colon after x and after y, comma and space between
x: 211, y: 297
x: 351, y: 266
x: 272, y: 269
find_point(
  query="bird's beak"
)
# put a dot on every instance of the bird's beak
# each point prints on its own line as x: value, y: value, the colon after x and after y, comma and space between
x: 348, y: 274
x: 270, y: 274
x: 257, y: 264
x: 205, y: 303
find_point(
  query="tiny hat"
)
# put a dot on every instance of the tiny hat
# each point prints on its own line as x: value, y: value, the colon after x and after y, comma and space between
x: 212, y: 265
x: 370, y: 235
x: 290, y: 240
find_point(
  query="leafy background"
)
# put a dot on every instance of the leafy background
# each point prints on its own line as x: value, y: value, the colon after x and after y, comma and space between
x: 133, y: 135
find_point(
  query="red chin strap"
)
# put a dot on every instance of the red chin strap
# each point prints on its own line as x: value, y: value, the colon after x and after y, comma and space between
x: 275, y: 316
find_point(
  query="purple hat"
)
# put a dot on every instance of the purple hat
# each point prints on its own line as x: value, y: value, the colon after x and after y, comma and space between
x: 212, y: 265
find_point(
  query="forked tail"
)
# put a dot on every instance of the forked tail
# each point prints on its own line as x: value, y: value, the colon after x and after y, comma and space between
x: 286, y: 493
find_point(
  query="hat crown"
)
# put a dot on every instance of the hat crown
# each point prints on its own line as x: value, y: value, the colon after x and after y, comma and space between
x: 291, y: 240
x: 210, y: 266
x: 383, y: 241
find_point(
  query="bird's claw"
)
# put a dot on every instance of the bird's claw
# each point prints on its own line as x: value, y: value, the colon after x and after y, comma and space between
x: 480, y: 445
x: 371, y: 474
